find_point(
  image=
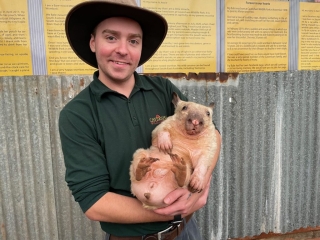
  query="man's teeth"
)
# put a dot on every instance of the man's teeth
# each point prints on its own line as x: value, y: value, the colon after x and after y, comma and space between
x: 120, y: 63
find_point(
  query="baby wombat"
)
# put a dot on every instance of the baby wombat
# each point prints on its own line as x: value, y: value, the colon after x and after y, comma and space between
x: 183, y: 147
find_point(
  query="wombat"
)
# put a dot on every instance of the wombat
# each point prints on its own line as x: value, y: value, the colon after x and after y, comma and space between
x: 183, y: 148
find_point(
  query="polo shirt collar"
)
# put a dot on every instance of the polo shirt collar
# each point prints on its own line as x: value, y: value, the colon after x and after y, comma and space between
x: 99, y: 89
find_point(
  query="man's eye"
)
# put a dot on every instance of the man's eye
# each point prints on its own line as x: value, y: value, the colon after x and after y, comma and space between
x: 111, y: 38
x: 133, y: 41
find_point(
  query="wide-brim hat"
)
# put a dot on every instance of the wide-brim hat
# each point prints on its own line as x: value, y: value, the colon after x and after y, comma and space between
x: 84, y: 17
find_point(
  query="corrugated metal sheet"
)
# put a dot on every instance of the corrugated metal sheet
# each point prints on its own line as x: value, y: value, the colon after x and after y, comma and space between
x: 267, y: 177
x: 37, y: 38
x: 294, y: 22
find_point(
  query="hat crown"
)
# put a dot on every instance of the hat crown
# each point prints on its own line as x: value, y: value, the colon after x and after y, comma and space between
x: 125, y: 2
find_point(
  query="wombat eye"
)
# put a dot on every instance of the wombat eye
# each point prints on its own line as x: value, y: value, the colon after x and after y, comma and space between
x: 184, y: 108
x: 208, y: 113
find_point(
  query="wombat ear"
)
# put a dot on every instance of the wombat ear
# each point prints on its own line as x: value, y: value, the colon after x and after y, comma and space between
x: 175, y: 99
x: 211, y: 105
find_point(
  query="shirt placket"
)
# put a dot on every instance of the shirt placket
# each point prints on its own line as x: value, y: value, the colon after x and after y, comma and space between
x: 133, y: 113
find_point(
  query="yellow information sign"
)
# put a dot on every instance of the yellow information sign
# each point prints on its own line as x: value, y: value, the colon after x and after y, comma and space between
x: 309, y: 35
x: 15, y: 53
x: 256, y: 36
x: 60, y: 57
x: 190, y: 45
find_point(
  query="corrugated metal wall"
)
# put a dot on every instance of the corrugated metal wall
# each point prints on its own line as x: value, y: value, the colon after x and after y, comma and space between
x: 267, y: 177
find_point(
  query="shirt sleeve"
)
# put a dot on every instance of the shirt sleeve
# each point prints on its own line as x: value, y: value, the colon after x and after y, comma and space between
x: 87, y: 175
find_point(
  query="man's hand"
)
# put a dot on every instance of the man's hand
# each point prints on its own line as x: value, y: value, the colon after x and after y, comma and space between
x: 181, y: 201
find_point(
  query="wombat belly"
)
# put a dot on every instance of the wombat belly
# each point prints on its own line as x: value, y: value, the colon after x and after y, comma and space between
x: 157, y: 183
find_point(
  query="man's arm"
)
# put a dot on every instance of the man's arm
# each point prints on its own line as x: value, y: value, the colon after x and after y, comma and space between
x: 117, y: 208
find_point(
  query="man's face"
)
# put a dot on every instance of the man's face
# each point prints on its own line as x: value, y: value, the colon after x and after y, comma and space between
x: 118, y: 45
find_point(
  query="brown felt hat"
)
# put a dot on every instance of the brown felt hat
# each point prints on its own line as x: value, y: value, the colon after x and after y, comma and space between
x: 84, y: 17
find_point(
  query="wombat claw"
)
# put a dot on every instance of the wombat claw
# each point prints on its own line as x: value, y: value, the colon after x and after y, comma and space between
x: 178, y: 161
x: 192, y: 190
x: 144, y: 167
x: 195, y: 185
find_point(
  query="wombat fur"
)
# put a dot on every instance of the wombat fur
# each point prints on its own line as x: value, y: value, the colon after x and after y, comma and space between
x: 183, y: 147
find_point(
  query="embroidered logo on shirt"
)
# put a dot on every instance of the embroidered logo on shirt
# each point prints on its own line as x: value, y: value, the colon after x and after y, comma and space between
x: 157, y: 120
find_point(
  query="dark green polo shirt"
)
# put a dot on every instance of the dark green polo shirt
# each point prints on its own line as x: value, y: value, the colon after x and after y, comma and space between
x: 100, y: 129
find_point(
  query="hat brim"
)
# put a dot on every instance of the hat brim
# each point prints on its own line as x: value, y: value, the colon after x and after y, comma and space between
x: 84, y: 17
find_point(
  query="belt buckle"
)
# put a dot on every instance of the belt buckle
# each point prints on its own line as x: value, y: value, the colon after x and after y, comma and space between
x: 164, y: 231
x: 173, y: 224
x: 176, y: 223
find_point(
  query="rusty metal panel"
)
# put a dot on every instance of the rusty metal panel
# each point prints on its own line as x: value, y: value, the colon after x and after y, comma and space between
x: 26, y: 178
x: 266, y: 180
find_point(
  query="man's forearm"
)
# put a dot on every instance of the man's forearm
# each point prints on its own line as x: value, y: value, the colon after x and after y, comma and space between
x: 117, y: 208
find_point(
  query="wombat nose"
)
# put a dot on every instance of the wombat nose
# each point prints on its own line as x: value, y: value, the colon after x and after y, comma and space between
x: 147, y: 195
x: 195, y: 122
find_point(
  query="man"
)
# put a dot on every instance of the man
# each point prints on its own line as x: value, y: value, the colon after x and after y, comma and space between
x: 105, y: 123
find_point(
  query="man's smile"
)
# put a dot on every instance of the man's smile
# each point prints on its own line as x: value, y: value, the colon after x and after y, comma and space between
x: 120, y: 63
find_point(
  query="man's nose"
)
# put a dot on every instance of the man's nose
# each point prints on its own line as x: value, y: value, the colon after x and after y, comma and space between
x: 122, y: 47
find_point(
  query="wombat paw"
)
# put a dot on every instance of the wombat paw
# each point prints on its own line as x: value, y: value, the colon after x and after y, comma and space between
x: 164, y: 142
x: 146, y: 162
x: 179, y: 169
x: 144, y: 167
x: 178, y: 162
x: 195, y: 184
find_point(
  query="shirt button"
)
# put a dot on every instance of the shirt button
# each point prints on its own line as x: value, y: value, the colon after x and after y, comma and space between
x: 134, y: 118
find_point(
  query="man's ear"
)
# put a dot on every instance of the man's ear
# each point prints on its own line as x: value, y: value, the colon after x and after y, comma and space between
x: 92, y: 43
